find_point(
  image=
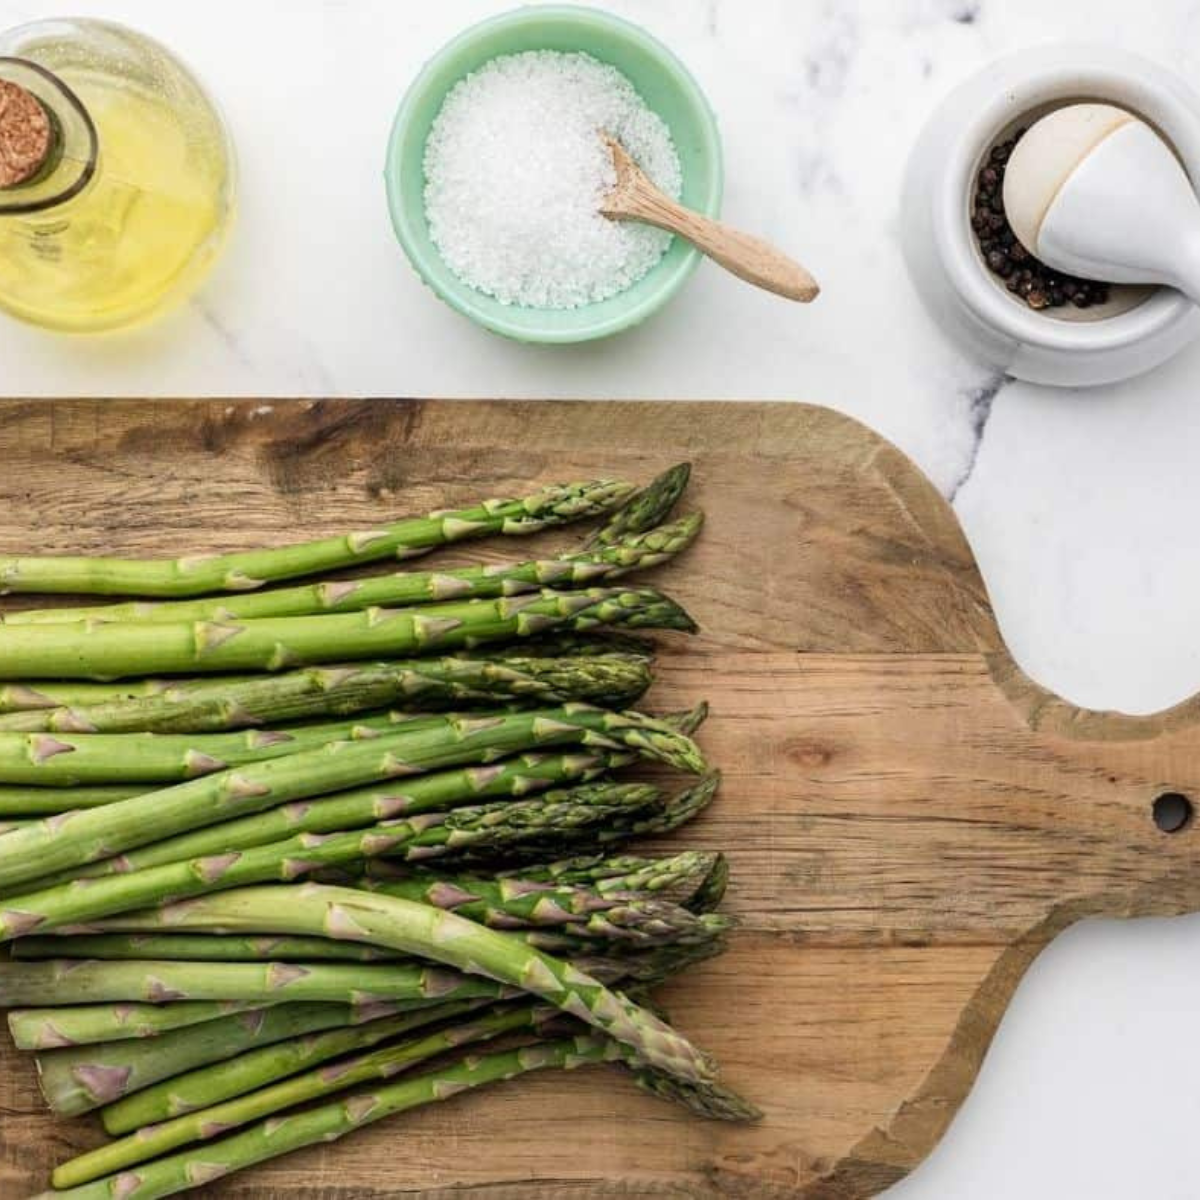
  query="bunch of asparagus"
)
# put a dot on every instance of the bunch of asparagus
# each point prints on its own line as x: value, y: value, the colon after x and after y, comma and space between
x: 264, y: 847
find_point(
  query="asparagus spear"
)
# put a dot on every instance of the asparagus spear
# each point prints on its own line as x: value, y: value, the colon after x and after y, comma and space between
x: 614, y: 558
x: 192, y: 1068
x: 138, y: 1076
x: 639, y: 924
x: 346, y: 810
x: 79, y: 693
x: 580, y: 913
x: 276, y: 643
x: 569, y: 644
x: 153, y: 1079
x: 334, y: 1119
x: 82, y: 1024
x: 209, y: 913
x: 41, y: 1028
x: 86, y: 981
x: 19, y: 802
x: 18, y: 697
x: 680, y: 877
x: 621, y: 827
x: 23, y: 697
x: 675, y: 877
x: 645, y: 508
x: 505, y: 824
x: 613, y: 680
x: 85, y: 759
x: 703, y: 933
x: 455, y: 942
x: 374, y: 1065
x: 93, y: 834
x: 195, y: 575
x: 435, y: 792
x: 711, y: 891
x: 712, y: 1100
x: 196, y: 947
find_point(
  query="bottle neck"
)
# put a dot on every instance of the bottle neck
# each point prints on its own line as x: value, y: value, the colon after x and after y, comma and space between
x: 48, y: 143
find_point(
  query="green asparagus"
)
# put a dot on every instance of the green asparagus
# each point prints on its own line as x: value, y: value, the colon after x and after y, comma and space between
x: 86, y: 693
x: 612, y: 680
x: 680, y: 877
x: 712, y: 888
x: 439, y: 790
x: 84, y: 759
x: 580, y: 913
x: 622, y: 827
x: 87, y: 981
x: 637, y: 943
x: 65, y: 693
x: 157, y: 1078
x: 20, y: 802
x: 93, y: 834
x: 192, y: 984
x: 568, y: 644
x: 138, y: 1076
x: 645, y: 508
x: 635, y: 924
x: 112, y: 650
x: 336, y: 1118
x: 196, y: 947
x: 216, y: 1118
x: 53, y: 1028
x: 197, y: 574
x: 444, y: 937
x: 640, y: 550
x: 497, y: 826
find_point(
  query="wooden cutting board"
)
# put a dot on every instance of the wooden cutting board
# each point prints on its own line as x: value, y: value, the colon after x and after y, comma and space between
x: 909, y: 818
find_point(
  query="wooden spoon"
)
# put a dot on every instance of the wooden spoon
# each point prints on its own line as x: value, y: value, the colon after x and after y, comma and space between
x: 635, y: 198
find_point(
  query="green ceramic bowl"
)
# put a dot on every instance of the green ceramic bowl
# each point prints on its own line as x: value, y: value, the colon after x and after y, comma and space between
x: 664, y: 84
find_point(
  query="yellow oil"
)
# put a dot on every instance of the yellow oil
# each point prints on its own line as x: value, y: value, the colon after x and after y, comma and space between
x: 144, y: 231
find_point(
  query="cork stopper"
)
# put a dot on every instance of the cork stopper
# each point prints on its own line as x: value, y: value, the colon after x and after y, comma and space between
x: 26, y: 135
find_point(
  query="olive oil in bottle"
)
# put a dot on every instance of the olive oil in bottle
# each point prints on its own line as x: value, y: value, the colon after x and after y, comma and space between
x: 116, y: 176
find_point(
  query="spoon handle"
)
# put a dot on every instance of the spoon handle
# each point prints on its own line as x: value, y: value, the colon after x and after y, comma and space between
x: 747, y: 257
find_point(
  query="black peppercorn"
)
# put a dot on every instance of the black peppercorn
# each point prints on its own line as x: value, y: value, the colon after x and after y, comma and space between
x: 1022, y: 273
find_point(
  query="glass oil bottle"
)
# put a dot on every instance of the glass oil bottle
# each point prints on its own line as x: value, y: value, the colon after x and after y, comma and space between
x: 117, y: 176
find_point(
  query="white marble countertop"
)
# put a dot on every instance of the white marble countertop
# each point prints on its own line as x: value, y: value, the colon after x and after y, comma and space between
x: 1081, y: 506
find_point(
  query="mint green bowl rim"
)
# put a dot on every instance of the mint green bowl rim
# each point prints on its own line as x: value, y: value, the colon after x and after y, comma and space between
x: 408, y: 225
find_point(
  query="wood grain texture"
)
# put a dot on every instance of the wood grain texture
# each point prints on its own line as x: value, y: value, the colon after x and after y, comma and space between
x: 909, y: 819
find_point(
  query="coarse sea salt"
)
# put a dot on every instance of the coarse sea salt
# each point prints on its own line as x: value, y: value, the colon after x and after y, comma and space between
x: 515, y: 169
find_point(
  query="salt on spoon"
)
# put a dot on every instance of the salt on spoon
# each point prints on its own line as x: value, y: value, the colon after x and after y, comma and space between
x: 1094, y: 191
x: 635, y: 198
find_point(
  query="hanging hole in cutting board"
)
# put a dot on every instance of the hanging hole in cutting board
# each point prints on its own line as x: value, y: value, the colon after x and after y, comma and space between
x: 1173, y: 812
